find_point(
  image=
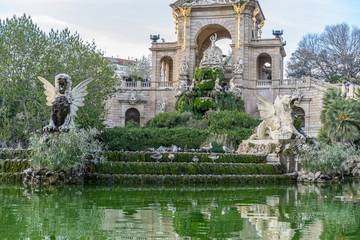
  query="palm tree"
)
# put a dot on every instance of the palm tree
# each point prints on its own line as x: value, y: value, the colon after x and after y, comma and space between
x: 340, y: 117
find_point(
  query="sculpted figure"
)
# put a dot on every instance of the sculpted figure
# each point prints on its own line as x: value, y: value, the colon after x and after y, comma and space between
x: 184, y: 66
x: 161, y: 106
x: 239, y: 66
x: 235, y: 89
x: 277, y: 121
x: 183, y: 88
x: 213, y: 55
x: 64, y: 101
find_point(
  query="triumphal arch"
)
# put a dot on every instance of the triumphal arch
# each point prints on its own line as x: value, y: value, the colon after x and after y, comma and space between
x: 257, y: 64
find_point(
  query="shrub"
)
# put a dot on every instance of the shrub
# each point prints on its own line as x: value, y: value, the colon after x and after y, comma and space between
x: 135, y: 139
x: 329, y: 159
x: 65, y: 151
x: 169, y: 120
x: 206, y: 85
x: 228, y: 120
x: 203, y: 104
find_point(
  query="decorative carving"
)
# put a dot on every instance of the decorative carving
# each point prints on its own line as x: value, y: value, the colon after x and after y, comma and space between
x: 134, y: 97
x: 183, y: 88
x: 260, y: 27
x: 235, y: 89
x: 64, y: 101
x: 277, y: 121
x: 213, y: 55
x: 184, y: 67
x: 176, y: 17
x: 161, y: 106
x: 239, y: 9
x: 297, y: 93
x: 239, y: 66
x: 186, y: 13
x: 256, y: 12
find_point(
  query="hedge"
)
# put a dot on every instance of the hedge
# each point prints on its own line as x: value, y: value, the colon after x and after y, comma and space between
x: 137, y: 139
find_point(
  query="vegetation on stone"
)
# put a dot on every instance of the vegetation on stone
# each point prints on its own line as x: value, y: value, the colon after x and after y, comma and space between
x: 331, y: 160
x: 182, y: 157
x: 205, y: 96
x: 65, y: 151
x: 27, y: 52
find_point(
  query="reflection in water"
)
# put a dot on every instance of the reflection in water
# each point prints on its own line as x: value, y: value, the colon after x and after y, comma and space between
x: 148, y: 212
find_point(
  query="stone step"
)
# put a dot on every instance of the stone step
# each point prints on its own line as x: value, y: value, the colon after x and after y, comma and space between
x: 183, y: 157
x: 186, y: 179
x: 185, y: 168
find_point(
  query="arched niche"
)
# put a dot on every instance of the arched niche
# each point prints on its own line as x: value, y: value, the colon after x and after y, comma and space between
x: 264, y: 67
x: 132, y: 114
x: 166, y: 69
x: 299, y: 112
x: 203, y: 41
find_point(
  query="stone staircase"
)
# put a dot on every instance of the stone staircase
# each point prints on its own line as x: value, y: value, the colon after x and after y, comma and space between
x: 138, y: 168
x: 141, y: 168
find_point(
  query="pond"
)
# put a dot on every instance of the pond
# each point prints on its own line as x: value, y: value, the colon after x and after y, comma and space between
x: 169, y: 212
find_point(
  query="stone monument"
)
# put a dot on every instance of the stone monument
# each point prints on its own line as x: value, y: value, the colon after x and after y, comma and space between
x: 276, y: 135
x: 64, y: 102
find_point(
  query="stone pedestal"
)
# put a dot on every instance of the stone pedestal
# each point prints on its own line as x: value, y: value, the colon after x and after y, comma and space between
x: 184, y: 78
x: 277, y: 151
x: 238, y: 79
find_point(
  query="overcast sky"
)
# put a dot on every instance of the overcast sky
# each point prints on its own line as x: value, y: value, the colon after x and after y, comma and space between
x: 121, y: 28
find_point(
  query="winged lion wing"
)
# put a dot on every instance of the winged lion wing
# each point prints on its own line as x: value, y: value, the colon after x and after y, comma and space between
x: 266, y: 108
x: 49, y: 91
x: 78, y: 96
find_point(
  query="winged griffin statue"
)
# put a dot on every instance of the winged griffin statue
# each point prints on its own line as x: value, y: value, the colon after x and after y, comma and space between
x: 277, y: 121
x: 64, y: 101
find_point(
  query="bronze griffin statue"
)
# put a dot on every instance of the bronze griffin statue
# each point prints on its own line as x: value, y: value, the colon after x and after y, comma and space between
x: 64, y: 102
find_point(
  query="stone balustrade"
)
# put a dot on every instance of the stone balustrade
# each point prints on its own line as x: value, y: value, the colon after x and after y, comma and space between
x: 146, y: 85
x: 263, y: 83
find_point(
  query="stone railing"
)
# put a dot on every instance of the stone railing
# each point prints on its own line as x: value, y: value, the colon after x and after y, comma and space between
x: 165, y: 85
x: 146, y: 85
x: 135, y: 85
x: 294, y: 82
x: 263, y: 83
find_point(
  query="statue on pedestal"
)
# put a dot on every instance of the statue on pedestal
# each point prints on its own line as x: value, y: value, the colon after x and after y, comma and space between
x: 239, y: 66
x: 64, y: 101
x: 278, y: 123
x: 184, y: 67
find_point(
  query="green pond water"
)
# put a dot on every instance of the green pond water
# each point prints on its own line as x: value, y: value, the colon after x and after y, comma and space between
x: 175, y: 212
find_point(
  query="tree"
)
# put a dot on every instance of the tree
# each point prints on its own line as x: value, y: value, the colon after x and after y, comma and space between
x: 333, y: 55
x: 27, y: 52
x: 340, y: 118
x: 139, y: 68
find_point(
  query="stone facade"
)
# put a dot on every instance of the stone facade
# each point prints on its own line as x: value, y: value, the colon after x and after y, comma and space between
x: 262, y: 64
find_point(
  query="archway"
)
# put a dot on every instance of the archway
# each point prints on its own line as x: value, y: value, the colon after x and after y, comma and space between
x: 264, y: 67
x: 203, y: 41
x: 132, y: 114
x: 166, y: 69
x: 301, y: 114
